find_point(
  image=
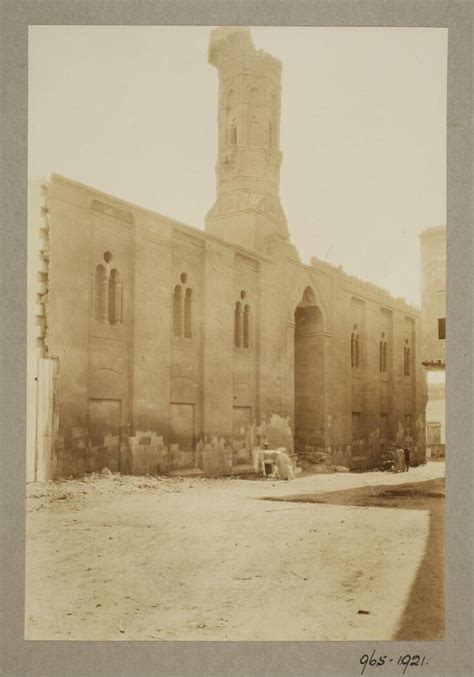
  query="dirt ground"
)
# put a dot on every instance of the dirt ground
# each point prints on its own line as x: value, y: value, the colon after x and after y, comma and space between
x: 129, y: 558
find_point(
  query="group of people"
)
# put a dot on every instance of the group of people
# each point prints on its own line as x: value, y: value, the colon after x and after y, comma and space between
x: 398, y: 459
x: 276, y: 463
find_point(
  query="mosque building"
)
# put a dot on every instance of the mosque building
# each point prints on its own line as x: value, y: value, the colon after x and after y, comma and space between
x: 165, y: 348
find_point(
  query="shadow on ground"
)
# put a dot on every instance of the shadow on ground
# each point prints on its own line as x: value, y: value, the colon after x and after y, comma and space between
x: 423, y: 618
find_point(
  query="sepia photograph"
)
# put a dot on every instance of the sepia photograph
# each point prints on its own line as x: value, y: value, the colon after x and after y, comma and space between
x: 236, y: 418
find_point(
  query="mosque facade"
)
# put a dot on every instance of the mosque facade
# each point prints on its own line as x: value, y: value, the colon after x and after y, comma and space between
x: 165, y: 348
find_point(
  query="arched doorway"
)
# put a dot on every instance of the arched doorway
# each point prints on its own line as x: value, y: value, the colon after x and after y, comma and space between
x: 309, y: 375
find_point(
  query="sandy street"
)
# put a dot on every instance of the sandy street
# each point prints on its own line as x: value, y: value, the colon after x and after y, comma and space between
x: 130, y: 558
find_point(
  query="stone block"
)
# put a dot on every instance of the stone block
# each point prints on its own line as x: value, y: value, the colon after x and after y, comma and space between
x: 107, y: 457
x: 147, y: 459
x: 181, y: 459
x: 111, y: 441
x: 217, y: 458
x: 79, y: 437
x: 241, y: 457
x: 70, y: 462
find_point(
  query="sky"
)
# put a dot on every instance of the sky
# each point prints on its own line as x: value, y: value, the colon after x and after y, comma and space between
x: 132, y: 111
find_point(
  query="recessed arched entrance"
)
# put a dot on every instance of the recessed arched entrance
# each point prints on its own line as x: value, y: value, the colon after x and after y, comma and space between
x: 309, y: 375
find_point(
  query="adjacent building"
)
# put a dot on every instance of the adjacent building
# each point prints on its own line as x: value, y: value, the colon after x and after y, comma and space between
x: 433, y: 327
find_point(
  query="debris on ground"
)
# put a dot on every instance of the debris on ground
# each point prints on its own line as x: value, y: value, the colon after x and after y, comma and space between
x: 104, y: 483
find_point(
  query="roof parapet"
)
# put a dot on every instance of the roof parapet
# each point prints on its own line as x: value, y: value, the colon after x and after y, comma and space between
x: 363, y: 287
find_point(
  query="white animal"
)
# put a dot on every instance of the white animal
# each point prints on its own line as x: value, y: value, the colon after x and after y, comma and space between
x: 285, y: 469
x: 281, y: 463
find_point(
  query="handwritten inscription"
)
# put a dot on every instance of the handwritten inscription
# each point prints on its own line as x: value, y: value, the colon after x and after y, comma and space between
x: 405, y: 662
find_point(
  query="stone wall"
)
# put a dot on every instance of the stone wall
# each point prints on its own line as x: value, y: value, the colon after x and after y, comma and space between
x: 201, y: 397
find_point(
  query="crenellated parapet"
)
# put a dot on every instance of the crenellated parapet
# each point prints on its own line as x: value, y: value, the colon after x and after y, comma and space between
x: 42, y: 276
x: 368, y: 290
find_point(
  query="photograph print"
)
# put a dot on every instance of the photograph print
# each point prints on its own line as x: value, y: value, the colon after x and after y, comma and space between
x: 236, y: 333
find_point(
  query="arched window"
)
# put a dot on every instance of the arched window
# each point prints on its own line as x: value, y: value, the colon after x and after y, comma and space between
x: 183, y: 309
x: 115, y: 298
x: 178, y: 311
x: 355, y: 348
x: 231, y: 99
x: 233, y: 132
x: 406, y: 351
x: 255, y: 97
x: 101, y: 294
x: 254, y: 117
x: 106, y: 292
x: 383, y: 354
x: 238, y: 324
x: 246, y: 326
x: 231, y: 122
x: 253, y: 131
x: 188, y: 308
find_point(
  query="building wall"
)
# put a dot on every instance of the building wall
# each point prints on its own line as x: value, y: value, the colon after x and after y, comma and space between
x: 433, y: 340
x: 194, y: 381
x: 433, y: 292
x: 436, y: 420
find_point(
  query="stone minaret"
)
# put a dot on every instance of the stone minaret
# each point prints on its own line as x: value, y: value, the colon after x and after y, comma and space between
x: 247, y: 210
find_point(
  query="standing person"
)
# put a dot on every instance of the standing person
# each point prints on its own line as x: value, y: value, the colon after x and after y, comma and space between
x: 399, y: 459
x: 406, y: 451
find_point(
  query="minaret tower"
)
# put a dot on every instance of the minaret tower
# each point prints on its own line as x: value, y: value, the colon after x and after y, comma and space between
x: 247, y: 210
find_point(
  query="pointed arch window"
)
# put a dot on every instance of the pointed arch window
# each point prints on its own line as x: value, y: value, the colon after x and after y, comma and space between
x: 233, y: 132
x: 355, y: 352
x: 253, y: 131
x: 242, y: 322
x: 231, y: 99
x: 246, y: 327
x: 383, y: 354
x: 178, y: 311
x: 106, y: 291
x: 406, y: 359
x: 255, y: 97
x: 238, y: 324
x: 188, y: 313
x: 183, y: 309
x: 115, y: 298
x: 254, y: 118
x: 100, y: 311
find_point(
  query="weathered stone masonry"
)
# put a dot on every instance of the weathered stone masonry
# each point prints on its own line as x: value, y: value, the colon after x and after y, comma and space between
x: 181, y: 348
